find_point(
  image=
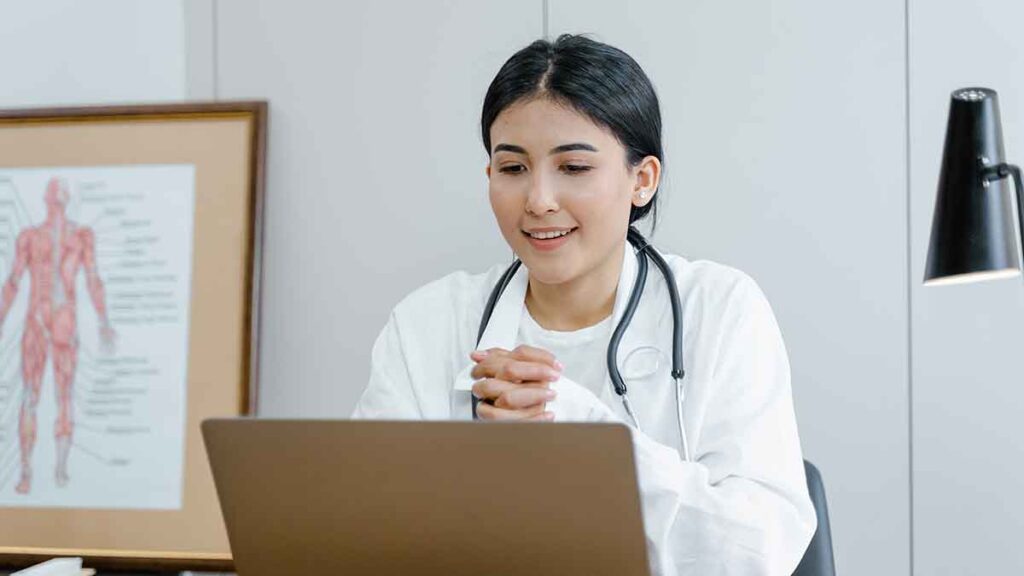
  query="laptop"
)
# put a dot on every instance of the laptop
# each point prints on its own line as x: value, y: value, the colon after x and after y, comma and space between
x: 427, y: 498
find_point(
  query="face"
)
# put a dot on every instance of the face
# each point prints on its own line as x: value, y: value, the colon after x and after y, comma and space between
x: 554, y: 171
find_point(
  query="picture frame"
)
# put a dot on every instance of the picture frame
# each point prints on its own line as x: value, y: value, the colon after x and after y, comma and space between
x: 130, y: 251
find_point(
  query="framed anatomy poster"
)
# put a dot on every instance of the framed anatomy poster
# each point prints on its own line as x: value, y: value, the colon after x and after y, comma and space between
x: 129, y: 284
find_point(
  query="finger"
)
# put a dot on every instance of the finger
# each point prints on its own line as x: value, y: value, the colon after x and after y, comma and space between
x: 487, y: 361
x: 488, y: 412
x: 521, y: 352
x: 483, y: 370
x: 546, y: 416
x: 533, y: 354
x: 491, y: 388
x: 475, y: 354
x: 520, y: 398
x: 493, y: 352
x: 521, y: 371
x: 491, y: 366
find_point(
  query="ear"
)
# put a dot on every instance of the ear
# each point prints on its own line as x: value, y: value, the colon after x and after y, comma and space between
x: 488, y: 171
x: 647, y: 176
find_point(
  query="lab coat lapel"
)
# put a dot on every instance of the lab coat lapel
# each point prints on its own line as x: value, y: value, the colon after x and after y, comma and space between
x: 501, y: 332
x: 641, y: 331
x: 627, y: 276
x: 503, y: 326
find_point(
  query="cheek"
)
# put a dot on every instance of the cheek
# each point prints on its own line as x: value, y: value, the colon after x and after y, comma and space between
x: 601, y: 208
x: 506, y: 206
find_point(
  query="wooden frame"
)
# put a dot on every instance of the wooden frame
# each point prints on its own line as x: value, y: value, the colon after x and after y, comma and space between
x: 224, y: 144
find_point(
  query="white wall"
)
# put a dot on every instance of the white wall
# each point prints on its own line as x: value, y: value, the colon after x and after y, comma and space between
x: 65, y: 52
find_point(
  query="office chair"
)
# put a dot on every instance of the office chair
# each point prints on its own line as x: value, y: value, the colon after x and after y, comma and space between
x: 818, y: 559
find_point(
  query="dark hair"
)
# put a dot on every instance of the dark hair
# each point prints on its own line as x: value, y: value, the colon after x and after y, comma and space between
x: 595, y: 79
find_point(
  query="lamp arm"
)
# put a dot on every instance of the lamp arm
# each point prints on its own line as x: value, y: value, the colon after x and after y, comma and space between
x: 1015, y: 170
x: 1000, y: 171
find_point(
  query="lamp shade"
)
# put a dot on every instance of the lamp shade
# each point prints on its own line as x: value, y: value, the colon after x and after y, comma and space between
x: 973, y: 232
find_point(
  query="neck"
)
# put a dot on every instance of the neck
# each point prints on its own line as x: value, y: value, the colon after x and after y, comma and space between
x: 580, y: 302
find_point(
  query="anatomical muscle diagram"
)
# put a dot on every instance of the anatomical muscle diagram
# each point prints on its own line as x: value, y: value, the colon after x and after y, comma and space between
x: 95, y: 280
x: 51, y: 254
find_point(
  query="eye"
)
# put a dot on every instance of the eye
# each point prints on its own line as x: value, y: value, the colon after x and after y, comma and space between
x: 512, y: 169
x: 575, y: 168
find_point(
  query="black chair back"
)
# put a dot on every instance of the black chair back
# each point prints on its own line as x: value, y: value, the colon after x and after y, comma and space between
x: 818, y: 559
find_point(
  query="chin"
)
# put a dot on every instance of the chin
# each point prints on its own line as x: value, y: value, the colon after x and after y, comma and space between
x: 550, y: 271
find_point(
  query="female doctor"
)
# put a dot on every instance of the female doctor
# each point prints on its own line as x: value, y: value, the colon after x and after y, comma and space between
x: 573, y: 132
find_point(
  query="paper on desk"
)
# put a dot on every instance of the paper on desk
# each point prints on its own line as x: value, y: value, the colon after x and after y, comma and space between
x: 56, y: 567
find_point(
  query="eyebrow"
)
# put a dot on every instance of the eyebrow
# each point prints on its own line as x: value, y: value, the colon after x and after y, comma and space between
x: 557, y: 149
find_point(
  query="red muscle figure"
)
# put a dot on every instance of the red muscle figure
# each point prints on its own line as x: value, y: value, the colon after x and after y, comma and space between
x: 53, y: 253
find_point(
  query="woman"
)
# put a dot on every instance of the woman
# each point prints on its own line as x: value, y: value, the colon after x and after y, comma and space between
x: 573, y: 132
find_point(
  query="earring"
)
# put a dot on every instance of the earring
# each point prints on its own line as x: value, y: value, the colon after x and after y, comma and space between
x: 643, y: 194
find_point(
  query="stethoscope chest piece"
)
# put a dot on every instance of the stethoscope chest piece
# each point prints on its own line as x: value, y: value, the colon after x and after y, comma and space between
x: 643, y: 362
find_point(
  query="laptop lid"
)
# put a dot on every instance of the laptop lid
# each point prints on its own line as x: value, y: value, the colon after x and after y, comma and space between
x: 427, y: 498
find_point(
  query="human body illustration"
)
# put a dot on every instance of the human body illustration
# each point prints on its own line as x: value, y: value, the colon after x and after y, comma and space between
x: 53, y: 253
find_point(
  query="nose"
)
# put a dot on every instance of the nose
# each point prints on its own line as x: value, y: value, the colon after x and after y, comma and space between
x: 540, y: 197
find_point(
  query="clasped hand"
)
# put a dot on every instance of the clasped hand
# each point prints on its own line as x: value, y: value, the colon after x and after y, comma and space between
x: 516, y: 384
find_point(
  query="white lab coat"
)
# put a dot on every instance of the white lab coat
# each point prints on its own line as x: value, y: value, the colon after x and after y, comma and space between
x: 742, y: 506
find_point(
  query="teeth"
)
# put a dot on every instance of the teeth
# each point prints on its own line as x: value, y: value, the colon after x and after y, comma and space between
x: 547, y: 235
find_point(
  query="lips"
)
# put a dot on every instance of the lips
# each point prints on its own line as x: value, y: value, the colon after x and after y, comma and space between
x: 548, y: 244
x: 548, y: 230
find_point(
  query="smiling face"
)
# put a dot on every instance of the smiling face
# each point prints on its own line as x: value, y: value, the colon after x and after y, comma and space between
x: 554, y: 171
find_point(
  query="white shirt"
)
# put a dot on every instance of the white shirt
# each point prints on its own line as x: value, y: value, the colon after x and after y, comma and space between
x: 575, y: 349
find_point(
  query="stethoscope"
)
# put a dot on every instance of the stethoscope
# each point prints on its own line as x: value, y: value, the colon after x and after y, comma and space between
x: 643, y: 248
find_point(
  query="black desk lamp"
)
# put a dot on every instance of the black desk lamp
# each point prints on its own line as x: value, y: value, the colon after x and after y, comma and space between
x: 973, y: 236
